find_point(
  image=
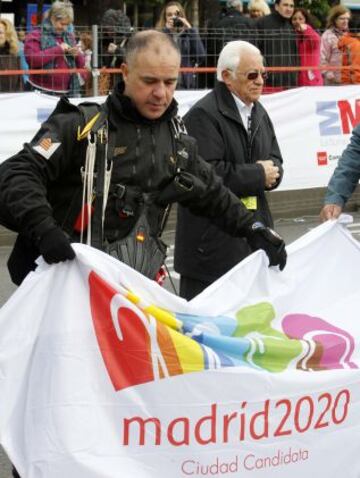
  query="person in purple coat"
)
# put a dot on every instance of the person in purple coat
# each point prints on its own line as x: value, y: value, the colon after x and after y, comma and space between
x: 53, y: 46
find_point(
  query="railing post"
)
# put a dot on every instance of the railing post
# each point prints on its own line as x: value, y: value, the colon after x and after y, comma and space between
x: 95, y: 59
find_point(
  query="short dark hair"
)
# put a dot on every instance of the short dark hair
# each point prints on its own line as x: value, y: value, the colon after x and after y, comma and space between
x: 142, y: 40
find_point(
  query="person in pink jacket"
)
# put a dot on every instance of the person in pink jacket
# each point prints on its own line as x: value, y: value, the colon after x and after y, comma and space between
x: 308, y: 43
x: 337, y: 24
x: 53, y: 46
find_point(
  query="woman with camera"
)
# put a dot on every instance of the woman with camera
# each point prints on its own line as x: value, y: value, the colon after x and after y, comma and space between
x: 174, y: 22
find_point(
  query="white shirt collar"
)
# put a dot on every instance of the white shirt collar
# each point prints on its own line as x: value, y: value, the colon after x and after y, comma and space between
x: 244, y: 112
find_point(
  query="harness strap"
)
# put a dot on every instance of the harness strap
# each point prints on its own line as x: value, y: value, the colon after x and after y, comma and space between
x: 98, y: 171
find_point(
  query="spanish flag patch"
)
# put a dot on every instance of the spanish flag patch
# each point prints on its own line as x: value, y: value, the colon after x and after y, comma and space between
x: 46, y: 147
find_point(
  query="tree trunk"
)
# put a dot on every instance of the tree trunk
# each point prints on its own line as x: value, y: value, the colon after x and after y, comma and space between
x: 195, y: 13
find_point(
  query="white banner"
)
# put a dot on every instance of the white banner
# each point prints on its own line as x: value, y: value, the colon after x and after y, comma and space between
x: 313, y: 126
x: 105, y: 374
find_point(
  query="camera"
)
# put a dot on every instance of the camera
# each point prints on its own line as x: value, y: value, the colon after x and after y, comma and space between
x: 177, y: 22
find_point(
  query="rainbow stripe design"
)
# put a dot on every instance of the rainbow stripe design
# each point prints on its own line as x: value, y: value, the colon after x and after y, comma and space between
x: 140, y: 342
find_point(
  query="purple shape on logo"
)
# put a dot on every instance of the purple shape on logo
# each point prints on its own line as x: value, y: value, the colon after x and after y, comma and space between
x: 337, y: 345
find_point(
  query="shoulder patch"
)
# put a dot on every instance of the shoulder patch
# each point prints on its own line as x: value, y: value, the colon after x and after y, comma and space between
x: 46, y: 147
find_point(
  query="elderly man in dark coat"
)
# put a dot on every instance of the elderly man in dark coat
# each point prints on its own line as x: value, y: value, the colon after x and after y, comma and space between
x: 235, y: 134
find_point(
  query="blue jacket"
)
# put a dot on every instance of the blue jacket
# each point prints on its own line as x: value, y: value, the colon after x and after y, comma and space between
x: 347, y: 173
x: 192, y: 54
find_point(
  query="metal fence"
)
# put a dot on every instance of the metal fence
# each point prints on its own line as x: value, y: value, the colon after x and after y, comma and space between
x: 104, y: 49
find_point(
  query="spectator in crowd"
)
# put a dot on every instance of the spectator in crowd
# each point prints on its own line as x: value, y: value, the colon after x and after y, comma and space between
x: 349, y: 45
x: 173, y: 21
x: 308, y: 43
x: 85, y: 45
x: 53, y: 46
x: 330, y: 55
x: 9, y: 57
x: 234, y: 24
x: 277, y: 42
x: 115, y: 30
x: 234, y: 135
x: 344, y: 180
x: 114, y: 33
x: 258, y: 8
x: 23, y: 63
x: 153, y: 165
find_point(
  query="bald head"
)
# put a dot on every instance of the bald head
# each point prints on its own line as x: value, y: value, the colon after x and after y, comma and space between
x: 150, y: 72
x: 158, y: 43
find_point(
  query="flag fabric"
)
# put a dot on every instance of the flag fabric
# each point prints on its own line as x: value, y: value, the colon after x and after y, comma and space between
x: 105, y: 374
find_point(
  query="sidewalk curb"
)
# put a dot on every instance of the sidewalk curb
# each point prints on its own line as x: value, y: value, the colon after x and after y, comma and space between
x: 7, y: 238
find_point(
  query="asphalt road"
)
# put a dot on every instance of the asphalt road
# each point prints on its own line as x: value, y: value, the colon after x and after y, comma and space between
x: 289, y: 228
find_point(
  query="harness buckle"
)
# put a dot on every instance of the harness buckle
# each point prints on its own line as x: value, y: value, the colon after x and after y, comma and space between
x: 119, y: 190
x: 126, y: 212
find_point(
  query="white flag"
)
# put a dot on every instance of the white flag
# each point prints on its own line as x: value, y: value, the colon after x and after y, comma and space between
x: 104, y: 374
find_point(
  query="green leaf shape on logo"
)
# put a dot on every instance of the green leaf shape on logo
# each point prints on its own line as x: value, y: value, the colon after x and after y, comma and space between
x: 270, y: 349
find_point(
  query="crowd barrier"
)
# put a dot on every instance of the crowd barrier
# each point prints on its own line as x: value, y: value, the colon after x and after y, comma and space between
x: 99, y: 81
x: 313, y: 126
x: 200, y: 51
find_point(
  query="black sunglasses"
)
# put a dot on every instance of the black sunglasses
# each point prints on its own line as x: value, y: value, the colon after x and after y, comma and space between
x: 253, y: 75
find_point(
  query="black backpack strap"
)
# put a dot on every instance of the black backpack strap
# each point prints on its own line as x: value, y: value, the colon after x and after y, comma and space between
x: 97, y: 236
x: 183, y: 142
x: 95, y: 116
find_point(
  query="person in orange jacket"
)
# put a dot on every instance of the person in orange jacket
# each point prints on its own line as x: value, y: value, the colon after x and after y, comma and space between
x: 349, y: 45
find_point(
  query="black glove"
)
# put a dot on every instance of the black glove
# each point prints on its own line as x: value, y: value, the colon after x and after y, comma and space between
x: 261, y: 237
x: 55, y: 247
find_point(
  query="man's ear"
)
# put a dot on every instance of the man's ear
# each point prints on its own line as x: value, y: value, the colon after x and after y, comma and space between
x: 226, y: 76
x: 125, y: 71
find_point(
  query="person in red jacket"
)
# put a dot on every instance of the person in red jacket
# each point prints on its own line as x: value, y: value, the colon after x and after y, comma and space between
x: 53, y: 46
x: 308, y: 43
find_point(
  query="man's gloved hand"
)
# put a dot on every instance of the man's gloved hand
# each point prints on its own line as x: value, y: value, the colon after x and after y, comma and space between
x: 55, y: 247
x: 261, y: 237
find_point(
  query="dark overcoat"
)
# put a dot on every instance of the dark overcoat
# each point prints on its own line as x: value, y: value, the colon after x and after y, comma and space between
x: 202, y: 250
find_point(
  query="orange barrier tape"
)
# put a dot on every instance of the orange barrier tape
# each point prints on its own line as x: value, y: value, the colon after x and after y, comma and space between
x: 273, y: 69
x: 44, y: 72
x: 277, y: 69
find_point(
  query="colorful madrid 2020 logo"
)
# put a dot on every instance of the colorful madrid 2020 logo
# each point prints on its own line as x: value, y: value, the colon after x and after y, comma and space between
x: 141, y: 343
